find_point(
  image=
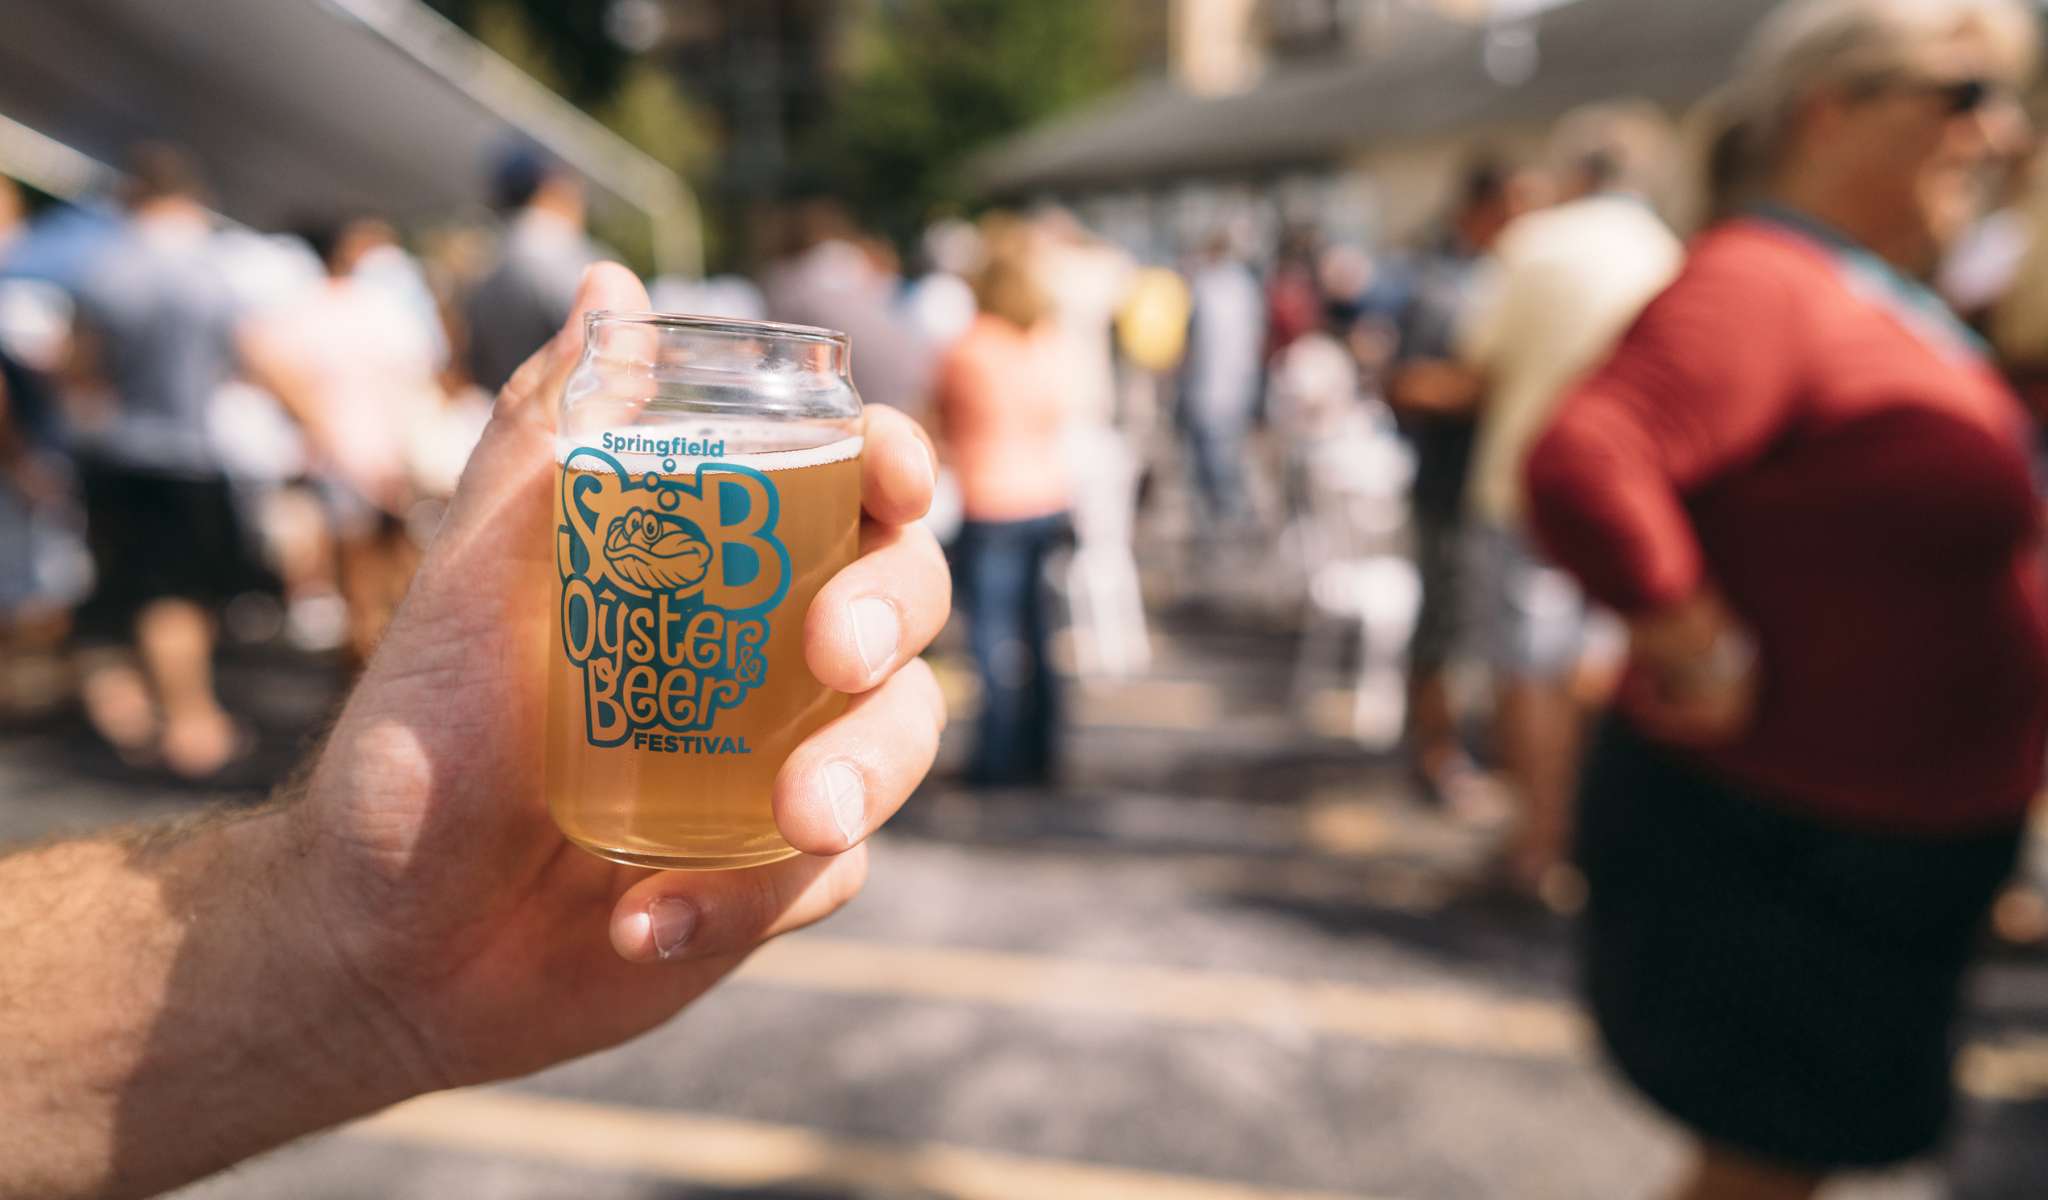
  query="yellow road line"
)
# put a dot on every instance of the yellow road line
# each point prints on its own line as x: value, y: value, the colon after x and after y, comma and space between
x: 1149, y: 704
x: 1143, y: 703
x: 723, y: 1152
x: 1443, y: 1018
x: 2008, y: 1070
x: 2012, y: 1070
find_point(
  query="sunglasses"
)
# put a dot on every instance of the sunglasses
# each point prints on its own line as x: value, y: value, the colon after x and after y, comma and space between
x: 1965, y: 96
x: 1959, y: 97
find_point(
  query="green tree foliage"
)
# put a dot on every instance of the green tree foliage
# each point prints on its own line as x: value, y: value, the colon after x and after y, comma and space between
x: 566, y: 41
x: 651, y: 111
x: 637, y: 99
x: 916, y: 87
x: 929, y: 82
x: 563, y: 45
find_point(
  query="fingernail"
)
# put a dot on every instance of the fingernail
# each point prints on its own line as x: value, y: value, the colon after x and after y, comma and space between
x: 845, y: 796
x: 671, y: 920
x: 875, y: 632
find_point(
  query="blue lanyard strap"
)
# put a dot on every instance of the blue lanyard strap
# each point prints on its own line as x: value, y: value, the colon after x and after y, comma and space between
x: 1871, y: 277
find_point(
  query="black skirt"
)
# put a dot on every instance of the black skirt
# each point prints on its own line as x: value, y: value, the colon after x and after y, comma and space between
x: 1784, y: 987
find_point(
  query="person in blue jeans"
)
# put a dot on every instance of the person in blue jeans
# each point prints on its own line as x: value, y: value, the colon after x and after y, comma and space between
x: 1222, y: 376
x: 999, y: 573
x: 1003, y: 418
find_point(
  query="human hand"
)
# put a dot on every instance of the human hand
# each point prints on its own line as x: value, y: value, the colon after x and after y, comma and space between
x: 486, y: 943
x: 1435, y: 387
x: 1692, y: 676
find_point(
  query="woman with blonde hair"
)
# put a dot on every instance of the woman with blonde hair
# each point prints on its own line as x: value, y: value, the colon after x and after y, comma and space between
x: 1003, y: 416
x: 1801, y: 481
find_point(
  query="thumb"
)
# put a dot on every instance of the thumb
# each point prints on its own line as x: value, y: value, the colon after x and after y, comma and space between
x: 510, y: 464
x: 537, y: 384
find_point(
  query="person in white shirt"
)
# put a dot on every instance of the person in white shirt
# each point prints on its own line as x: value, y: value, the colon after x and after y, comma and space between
x: 1566, y: 283
x: 1086, y: 280
x: 356, y: 365
x: 1221, y: 376
x: 834, y: 276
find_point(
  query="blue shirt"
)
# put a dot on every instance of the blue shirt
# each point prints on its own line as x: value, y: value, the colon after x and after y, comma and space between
x: 164, y: 318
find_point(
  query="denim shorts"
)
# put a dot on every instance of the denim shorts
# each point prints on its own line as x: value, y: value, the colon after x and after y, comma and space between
x: 1530, y: 618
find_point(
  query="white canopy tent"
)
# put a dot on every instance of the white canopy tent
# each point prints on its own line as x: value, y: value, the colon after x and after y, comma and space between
x: 303, y: 106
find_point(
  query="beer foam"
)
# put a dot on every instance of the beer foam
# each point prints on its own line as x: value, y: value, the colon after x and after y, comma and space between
x: 640, y: 461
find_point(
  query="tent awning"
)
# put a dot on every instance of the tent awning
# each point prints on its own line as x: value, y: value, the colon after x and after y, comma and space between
x: 297, y: 107
x: 1669, y: 52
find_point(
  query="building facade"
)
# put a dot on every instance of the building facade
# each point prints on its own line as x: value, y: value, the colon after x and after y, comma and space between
x: 1353, y: 115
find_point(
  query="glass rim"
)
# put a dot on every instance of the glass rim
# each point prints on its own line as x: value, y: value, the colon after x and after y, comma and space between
x: 725, y: 325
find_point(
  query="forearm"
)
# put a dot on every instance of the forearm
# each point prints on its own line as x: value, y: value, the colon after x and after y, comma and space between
x: 1604, y: 509
x: 167, y: 1007
x: 271, y: 368
x: 1432, y: 387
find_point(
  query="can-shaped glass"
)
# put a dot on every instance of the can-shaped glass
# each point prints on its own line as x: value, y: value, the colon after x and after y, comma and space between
x: 707, y: 485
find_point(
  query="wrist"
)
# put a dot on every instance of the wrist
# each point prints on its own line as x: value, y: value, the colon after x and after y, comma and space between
x: 1681, y: 630
x: 170, y: 1009
x: 1695, y: 644
x: 320, y: 1013
x: 1726, y: 660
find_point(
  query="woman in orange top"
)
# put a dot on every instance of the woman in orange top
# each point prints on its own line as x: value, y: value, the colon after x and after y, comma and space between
x: 1002, y: 417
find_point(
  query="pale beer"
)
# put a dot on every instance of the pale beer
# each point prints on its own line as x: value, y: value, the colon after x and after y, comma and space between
x: 688, y: 547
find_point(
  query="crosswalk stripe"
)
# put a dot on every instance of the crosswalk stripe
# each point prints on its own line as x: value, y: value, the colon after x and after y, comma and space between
x: 724, y: 1152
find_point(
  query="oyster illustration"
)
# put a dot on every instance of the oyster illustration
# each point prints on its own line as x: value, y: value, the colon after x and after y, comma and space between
x: 655, y: 552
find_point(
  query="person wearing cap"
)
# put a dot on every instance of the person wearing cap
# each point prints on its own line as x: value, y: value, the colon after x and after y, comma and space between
x: 522, y: 299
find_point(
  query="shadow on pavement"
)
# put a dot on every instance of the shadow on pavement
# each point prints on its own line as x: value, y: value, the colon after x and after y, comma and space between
x: 283, y: 698
x: 1999, y: 1152
x: 1506, y: 939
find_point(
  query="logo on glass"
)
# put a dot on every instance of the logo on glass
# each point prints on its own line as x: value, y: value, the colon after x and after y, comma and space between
x: 668, y: 581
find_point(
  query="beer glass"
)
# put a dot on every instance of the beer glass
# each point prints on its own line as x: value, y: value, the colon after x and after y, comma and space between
x: 707, y: 485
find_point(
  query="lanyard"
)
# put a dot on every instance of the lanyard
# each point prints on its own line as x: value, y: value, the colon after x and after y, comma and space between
x: 1927, y: 315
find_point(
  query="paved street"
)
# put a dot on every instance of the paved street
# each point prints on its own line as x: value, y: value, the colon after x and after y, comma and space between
x: 1230, y: 959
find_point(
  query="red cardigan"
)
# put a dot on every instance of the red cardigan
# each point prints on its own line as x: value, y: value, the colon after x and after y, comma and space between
x: 1854, y: 478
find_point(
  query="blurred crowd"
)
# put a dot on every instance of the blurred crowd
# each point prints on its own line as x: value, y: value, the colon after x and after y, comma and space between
x: 1461, y: 464
x: 211, y: 431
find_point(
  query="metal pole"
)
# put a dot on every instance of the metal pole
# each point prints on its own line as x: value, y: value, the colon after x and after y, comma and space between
x: 45, y: 163
x: 558, y: 126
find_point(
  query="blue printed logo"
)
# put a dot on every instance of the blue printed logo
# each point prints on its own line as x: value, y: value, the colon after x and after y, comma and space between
x: 667, y: 585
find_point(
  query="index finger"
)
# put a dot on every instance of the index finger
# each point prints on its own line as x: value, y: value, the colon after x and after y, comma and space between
x: 898, y: 466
